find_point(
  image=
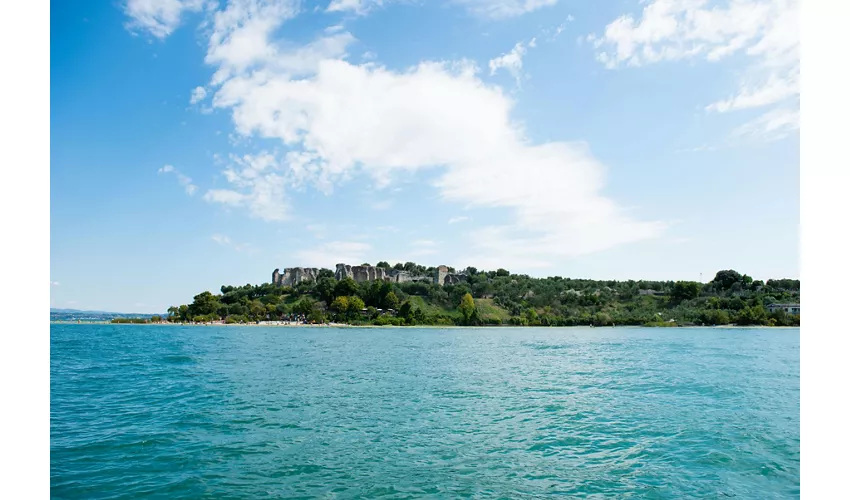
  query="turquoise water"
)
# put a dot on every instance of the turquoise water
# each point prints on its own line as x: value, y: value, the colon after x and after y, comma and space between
x: 253, y: 412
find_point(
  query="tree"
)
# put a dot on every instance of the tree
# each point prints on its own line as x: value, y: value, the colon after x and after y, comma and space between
x: 467, y: 308
x: 365, y: 264
x: 725, y: 279
x: 204, y: 304
x: 531, y: 317
x: 602, y: 319
x: 346, y: 286
x: 340, y: 305
x: 391, y: 301
x: 685, y: 290
x: 502, y: 272
x: 384, y: 264
x: 355, y: 305
x: 282, y: 309
x: 405, y: 310
x: 398, y: 266
x: 258, y: 310
x: 316, y: 316
x: 752, y: 316
x: 326, y: 288
x: 305, y: 306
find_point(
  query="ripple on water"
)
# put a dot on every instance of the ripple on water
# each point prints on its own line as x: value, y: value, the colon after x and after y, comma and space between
x: 181, y: 412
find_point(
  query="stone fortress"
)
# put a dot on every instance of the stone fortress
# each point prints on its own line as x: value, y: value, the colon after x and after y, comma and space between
x: 361, y: 274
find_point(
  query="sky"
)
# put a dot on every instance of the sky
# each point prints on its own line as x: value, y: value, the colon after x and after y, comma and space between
x: 198, y: 143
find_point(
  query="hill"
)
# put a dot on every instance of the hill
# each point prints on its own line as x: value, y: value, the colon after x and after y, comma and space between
x: 501, y: 298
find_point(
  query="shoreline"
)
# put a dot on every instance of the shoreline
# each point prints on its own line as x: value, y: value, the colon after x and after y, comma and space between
x: 344, y: 325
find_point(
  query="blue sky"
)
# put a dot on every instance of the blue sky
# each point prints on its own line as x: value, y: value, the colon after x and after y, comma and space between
x: 195, y: 144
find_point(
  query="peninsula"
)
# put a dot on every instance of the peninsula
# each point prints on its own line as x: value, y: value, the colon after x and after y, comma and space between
x: 412, y: 294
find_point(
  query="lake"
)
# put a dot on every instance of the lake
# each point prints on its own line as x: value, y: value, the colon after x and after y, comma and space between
x: 145, y: 411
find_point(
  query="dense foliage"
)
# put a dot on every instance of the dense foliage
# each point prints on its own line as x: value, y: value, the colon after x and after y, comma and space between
x: 501, y: 298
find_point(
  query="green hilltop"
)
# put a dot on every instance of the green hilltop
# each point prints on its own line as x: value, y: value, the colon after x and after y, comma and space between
x: 502, y: 298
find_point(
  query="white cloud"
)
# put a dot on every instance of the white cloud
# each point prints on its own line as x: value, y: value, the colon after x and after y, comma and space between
x: 455, y: 220
x: 184, y: 180
x: 329, y: 254
x: 773, y: 125
x: 359, y: 7
x: 158, y: 17
x: 766, y: 31
x: 221, y: 239
x: 512, y: 61
x: 775, y: 89
x: 488, y: 9
x: 54, y: 283
x: 502, y: 9
x: 339, y: 119
x: 258, y: 185
x: 239, y: 247
x: 198, y: 95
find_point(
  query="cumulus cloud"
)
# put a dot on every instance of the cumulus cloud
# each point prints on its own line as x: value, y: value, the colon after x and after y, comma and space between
x: 512, y: 61
x: 455, y: 220
x: 257, y: 184
x: 198, y: 95
x: 338, y: 119
x: 158, y: 17
x: 765, y: 31
x: 184, y: 180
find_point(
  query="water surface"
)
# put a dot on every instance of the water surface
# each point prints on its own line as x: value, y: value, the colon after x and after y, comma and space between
x: 141, y: 411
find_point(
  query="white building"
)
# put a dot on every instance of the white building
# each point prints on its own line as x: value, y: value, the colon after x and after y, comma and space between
x: 788, y: 308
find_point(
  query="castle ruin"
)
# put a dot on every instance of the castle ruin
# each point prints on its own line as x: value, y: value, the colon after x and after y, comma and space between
x: 361, y: 274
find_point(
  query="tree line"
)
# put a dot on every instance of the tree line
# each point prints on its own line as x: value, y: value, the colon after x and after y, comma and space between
x: 501, y: 298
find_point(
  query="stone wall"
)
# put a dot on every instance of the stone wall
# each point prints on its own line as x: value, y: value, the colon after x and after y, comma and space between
x: 293, y: 276
x: 362, y: 274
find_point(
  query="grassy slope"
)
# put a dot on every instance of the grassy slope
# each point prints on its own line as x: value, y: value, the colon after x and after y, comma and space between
x: 431, y: 309
x: 486, y: 307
